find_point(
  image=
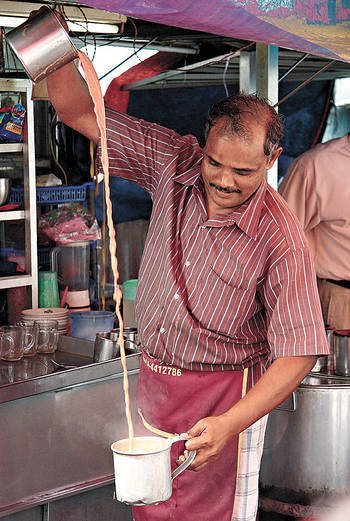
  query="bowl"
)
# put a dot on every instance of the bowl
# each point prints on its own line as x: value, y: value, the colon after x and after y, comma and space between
x: 5, y: 185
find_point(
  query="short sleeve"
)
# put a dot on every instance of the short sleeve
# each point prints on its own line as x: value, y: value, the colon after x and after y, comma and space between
x: 295, y: 325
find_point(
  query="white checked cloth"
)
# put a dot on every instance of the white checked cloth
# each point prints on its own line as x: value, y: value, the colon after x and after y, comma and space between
x: 247, y: 488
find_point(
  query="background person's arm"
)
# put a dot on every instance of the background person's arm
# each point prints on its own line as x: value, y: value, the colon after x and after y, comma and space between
x: 299, y: 189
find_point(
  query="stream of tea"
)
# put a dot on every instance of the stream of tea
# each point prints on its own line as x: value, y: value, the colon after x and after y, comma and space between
x: 96, y: 94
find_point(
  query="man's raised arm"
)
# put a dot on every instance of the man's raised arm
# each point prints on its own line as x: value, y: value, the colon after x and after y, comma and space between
x: 71, y: 99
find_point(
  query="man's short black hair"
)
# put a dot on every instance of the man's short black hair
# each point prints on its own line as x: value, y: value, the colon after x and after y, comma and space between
x: 238, y: 107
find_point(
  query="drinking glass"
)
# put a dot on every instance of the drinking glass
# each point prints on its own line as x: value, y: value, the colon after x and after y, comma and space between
x: 11, y: 343
x: 31, y: 332
x: 47, y: 336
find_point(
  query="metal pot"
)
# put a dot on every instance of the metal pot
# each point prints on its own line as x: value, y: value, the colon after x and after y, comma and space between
x: 105, y: 347
x: 307, y: 444
x: 42, y: 44
x: 341, y: 354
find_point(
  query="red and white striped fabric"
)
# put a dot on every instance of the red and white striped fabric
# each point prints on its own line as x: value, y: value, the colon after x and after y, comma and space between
x: 235, y: 291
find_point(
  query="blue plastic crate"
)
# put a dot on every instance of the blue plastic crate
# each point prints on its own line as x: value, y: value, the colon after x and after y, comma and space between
x: 44, y: 254
x: 10, y: 252
x: 55, y: 194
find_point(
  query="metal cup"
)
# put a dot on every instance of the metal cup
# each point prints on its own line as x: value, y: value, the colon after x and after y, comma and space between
x: 341, y: 354
x: 42, y: 44
x: 131, y: 342
x: 144, y: 476
x: 106, y: 347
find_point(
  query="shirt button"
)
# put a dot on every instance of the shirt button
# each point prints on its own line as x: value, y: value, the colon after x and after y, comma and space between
x: 162, y: 330
x: 176, y: 296
x: 187, y: 263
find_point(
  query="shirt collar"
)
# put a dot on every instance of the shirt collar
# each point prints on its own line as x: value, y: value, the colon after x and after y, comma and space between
x: 247, y: 216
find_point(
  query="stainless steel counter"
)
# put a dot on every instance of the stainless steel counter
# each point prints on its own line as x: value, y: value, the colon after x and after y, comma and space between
x: 58, y: 424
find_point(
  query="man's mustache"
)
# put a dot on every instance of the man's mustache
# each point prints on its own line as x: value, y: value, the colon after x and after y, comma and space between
x: 226, y: 190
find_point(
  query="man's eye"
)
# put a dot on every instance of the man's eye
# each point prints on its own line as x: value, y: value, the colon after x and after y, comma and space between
x: 212, y: 162
x: 243, y: 172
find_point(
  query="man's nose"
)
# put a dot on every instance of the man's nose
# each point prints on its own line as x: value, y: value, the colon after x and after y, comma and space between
x: 227, y: 179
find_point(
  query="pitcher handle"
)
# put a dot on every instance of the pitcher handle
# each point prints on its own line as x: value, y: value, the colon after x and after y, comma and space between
x: 53, y: 258
x: 192, y: 454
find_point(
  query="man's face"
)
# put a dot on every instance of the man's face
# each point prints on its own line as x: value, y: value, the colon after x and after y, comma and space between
x: 233, y: 168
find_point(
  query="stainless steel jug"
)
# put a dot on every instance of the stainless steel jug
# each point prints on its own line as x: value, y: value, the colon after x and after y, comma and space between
x: 42, y: 44
x: 144, y: 477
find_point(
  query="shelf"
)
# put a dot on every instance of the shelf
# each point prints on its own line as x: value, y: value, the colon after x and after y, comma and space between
x: 11, y: 147
x: 13, y: 215
x: 29, y: 215
x: 16, y: 281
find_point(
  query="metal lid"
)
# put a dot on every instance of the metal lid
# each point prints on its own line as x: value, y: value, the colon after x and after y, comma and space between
x: 325, y: 381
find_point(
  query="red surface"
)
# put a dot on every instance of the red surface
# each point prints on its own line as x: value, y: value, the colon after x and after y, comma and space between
x: 8, y: 207
x: 160, y: 62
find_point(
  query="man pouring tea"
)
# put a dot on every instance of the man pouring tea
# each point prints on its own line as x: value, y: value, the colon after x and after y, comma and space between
x: 227, y: 305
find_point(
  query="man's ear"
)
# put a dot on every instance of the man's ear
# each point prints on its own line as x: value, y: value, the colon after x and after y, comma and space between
x: 276, y: 154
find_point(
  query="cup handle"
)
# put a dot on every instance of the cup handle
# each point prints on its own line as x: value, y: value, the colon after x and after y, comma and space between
x: 192, y: 454
x: 31, y: 343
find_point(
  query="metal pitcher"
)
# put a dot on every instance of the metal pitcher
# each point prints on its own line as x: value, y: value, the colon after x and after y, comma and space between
x: 42, y: 44
x: 144, y: 477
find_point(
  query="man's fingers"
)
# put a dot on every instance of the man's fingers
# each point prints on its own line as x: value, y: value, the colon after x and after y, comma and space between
x: 196, y: 430
x: 200, y: 467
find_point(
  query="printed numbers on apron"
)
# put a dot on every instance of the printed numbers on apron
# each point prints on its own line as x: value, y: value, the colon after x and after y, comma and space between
x: 162, y: 369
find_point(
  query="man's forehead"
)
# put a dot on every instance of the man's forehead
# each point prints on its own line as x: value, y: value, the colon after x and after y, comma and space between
x: 243, y: 127
x: 249, y: 130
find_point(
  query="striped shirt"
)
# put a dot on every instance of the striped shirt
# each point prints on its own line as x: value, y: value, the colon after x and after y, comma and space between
x: 231, y: 292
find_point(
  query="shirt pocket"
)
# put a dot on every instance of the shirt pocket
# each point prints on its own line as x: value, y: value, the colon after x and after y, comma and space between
x: 232, y: 272
x: 229, y: 291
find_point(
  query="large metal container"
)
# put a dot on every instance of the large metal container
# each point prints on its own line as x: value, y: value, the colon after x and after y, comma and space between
x: 307, y: 445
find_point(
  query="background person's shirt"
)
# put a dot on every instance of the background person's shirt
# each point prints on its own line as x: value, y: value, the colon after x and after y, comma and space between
x: 220, y: 294
x: 317, y: 189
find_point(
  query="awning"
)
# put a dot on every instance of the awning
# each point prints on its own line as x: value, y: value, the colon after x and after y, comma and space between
x: 317, y: 27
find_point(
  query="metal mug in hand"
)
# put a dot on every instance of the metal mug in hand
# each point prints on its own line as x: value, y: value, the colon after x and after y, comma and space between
x: 144, y: 476
x: 106, y: 347
x: 42, y: 44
